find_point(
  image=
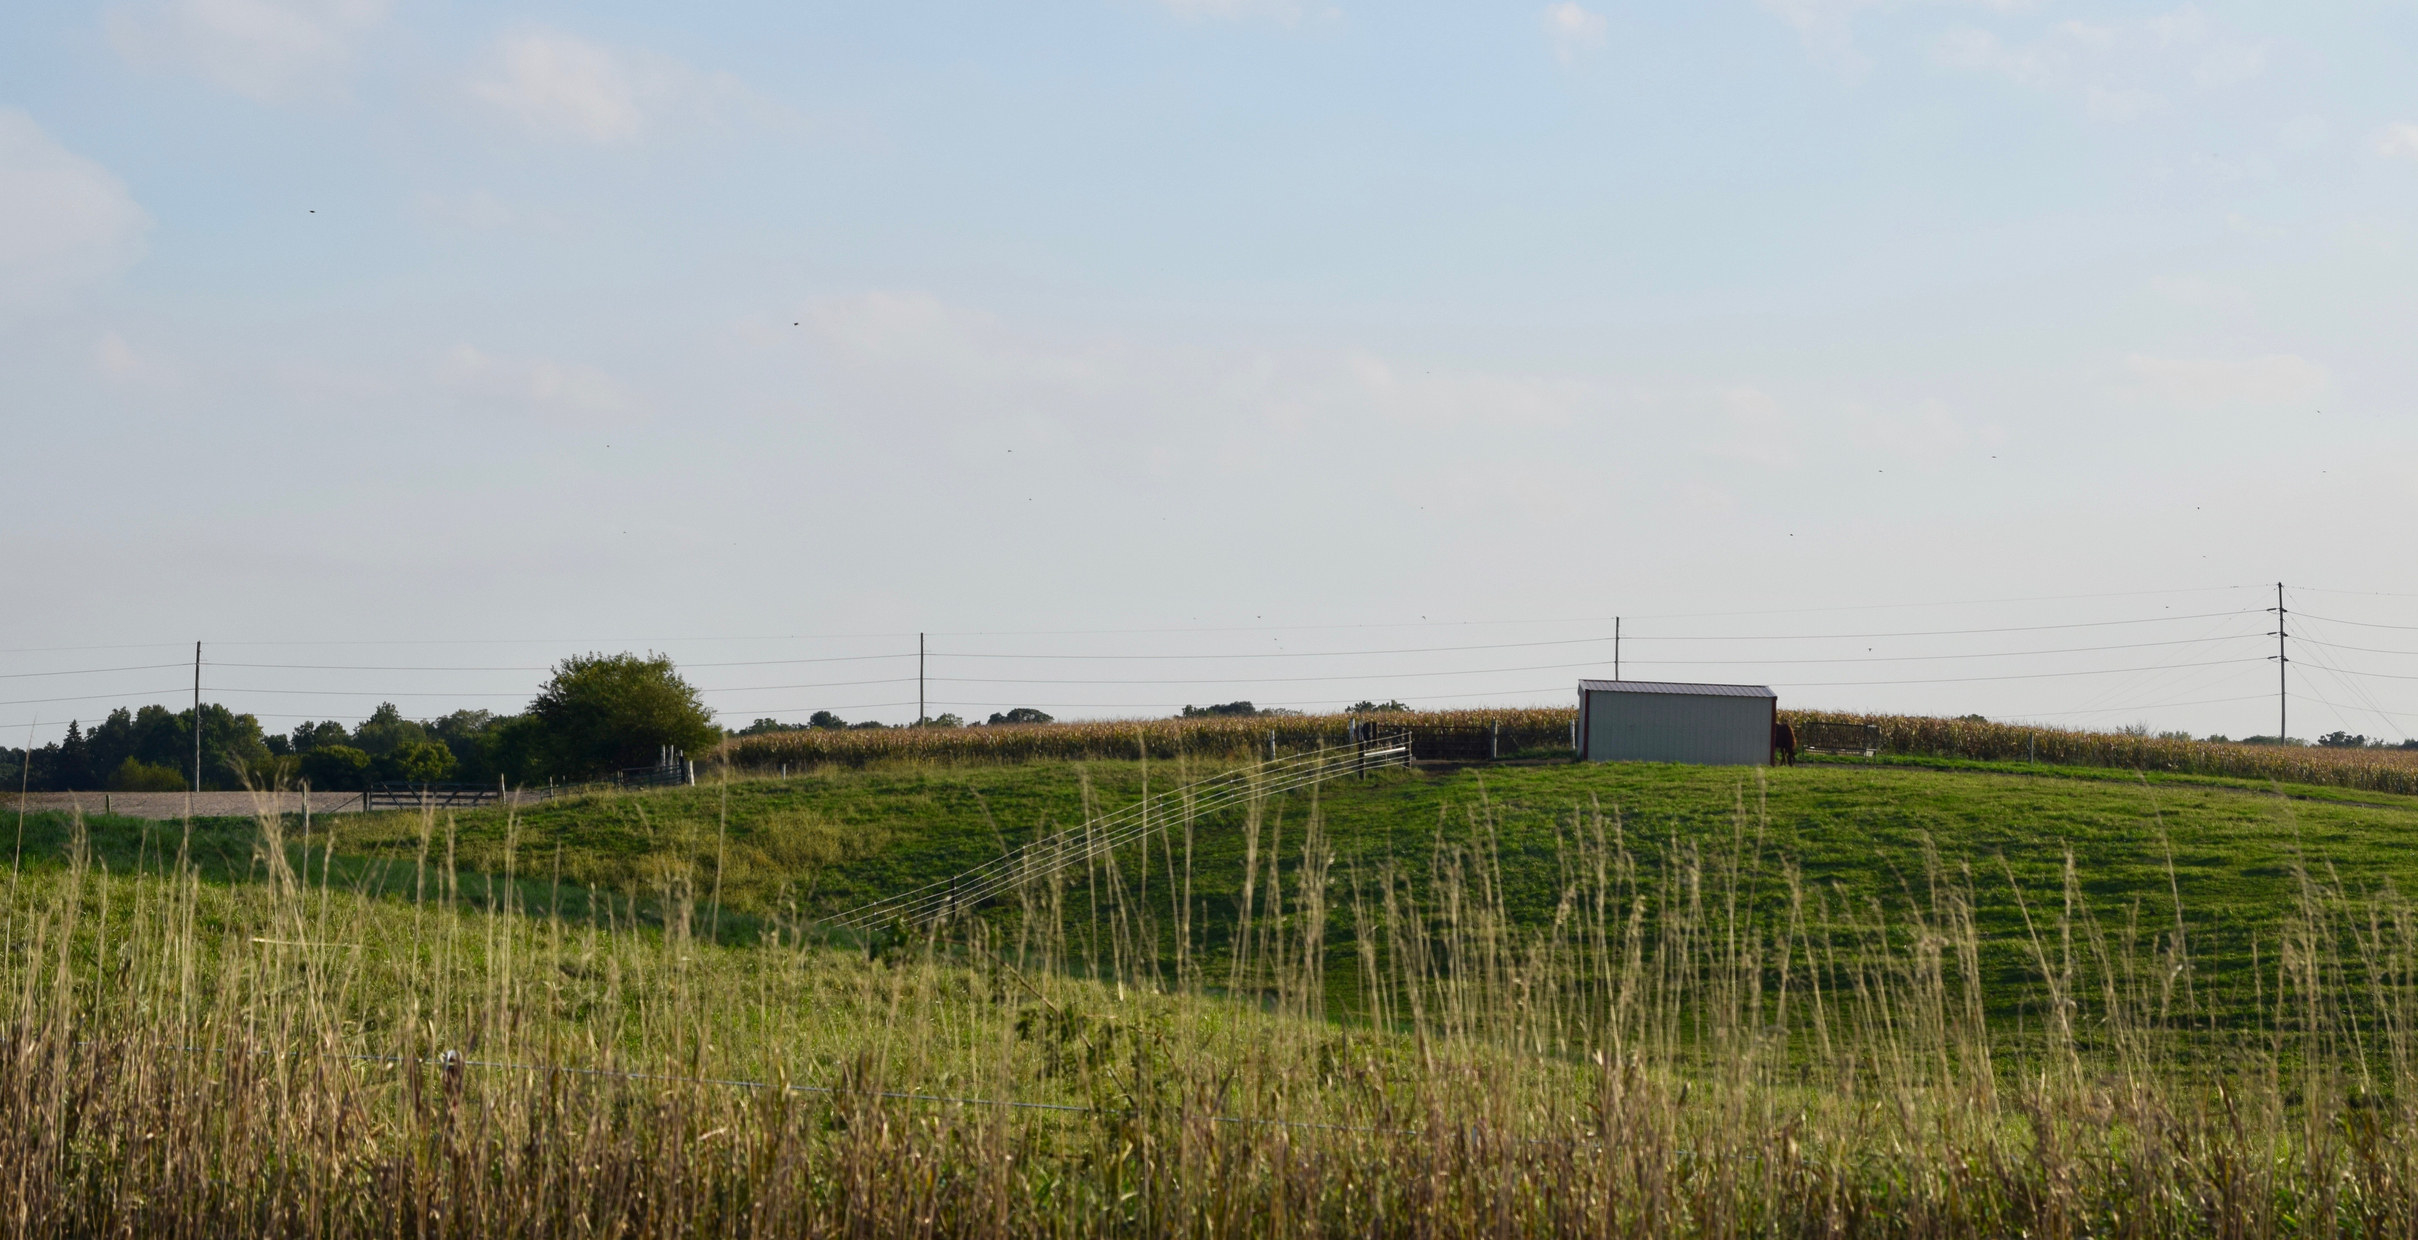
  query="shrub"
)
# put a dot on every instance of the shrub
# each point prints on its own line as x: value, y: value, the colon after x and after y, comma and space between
x: 136, y: 775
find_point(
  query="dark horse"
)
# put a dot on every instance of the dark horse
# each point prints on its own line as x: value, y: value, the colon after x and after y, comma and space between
x: 1784, y: 744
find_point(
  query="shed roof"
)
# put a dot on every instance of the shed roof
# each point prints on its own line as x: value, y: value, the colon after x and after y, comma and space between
x: 1674, y: 688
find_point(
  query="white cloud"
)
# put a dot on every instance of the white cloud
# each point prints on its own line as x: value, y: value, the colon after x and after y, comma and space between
x: 2398, y: 141
x: 2274, y: 379
x: 263, y: 49
x: 1573, y: 30
x: 1827, y: 28
x: 2198, y: 293
x: 1283, y: 12
x: 962, y: 365
x: 480, y: 211
x: 558, y: 391
x: 65, y: 222
x: 562, y: 86
x: 2118, y: 70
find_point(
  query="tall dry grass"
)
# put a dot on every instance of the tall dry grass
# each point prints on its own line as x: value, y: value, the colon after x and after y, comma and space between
x: 1703, y: 1044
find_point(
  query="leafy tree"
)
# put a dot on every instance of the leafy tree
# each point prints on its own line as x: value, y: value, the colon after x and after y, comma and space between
x: 1373, y: 708
x: 417, y: 762
x: 1022, y: 714
x: 2343, y: 740
x: 310, y: 736
x: 604, y: 712
x: 337, y: 768
x: 825, y: 719
x: 75, y: 758
x: 385, y: 731
x: 762, y: 726
x: 473, y: 736
x: 1238, y: 710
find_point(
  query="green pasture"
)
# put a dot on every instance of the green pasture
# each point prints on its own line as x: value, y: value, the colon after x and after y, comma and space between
x: 1851, y: 839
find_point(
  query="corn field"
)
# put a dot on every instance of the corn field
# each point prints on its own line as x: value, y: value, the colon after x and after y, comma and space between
x: 1542, y: 731
x: 1212, y: 737
x: 2373, y: 770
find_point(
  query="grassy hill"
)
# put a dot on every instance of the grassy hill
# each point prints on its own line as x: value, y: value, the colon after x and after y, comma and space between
x: 1847, y: 840
x: 1838, y: 999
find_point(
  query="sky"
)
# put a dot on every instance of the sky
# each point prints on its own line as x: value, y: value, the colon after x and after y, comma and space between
x: 1989, y: 357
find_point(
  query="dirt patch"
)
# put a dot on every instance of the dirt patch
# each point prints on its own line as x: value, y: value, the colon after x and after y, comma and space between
x: 165, y: 805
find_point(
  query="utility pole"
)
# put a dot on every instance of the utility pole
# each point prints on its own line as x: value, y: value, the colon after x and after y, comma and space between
x: 919, y: 679
x: 197, y: 716
x: 2282, y: 733
x: 1615, y: 647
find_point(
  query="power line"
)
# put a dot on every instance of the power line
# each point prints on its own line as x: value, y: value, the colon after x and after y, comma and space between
x: 1316, y: 654
x: 95, y: 697
x: 1278, y: 628
x: 94, y: 671
x: 2365, y: 624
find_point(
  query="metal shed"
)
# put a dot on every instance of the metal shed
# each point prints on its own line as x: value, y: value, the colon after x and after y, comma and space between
x: 1657, y: 721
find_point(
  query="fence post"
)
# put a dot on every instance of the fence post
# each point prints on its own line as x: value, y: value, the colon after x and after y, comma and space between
x: 1494, y: 740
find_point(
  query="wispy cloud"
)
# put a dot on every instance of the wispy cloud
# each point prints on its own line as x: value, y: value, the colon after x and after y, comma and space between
x: 1573, y: 31
x: 1282, y: 12
x: 2273, y: 379
x: 2398, y: 141
x: 2117, y: 70
x: 558, y: 85
x: 65, y: 222
x: 1827, y: 28
x: 262, y: 49
x: 542, y: 387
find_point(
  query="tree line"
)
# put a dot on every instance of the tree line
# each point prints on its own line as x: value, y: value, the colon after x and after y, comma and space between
x: 595, y: 715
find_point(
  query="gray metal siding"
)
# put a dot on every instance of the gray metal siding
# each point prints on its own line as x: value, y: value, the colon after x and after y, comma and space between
x: 1723, y: 730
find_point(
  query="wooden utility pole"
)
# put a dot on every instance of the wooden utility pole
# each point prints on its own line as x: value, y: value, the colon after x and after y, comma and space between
x: 920, y: 716
x: 1615, y: 647
x: 197, y: 717
x: 2282, y: 733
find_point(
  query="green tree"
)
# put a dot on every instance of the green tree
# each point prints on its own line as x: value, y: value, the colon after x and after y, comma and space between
x: 1022, y: 714
x: 336, y: 768
x: 385, y: 731
x: 417, y: 762
x: 602, y: 713
x: 310, y: 736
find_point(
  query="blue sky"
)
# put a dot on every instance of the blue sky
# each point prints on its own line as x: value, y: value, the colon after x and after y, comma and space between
x: 547, y: 326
